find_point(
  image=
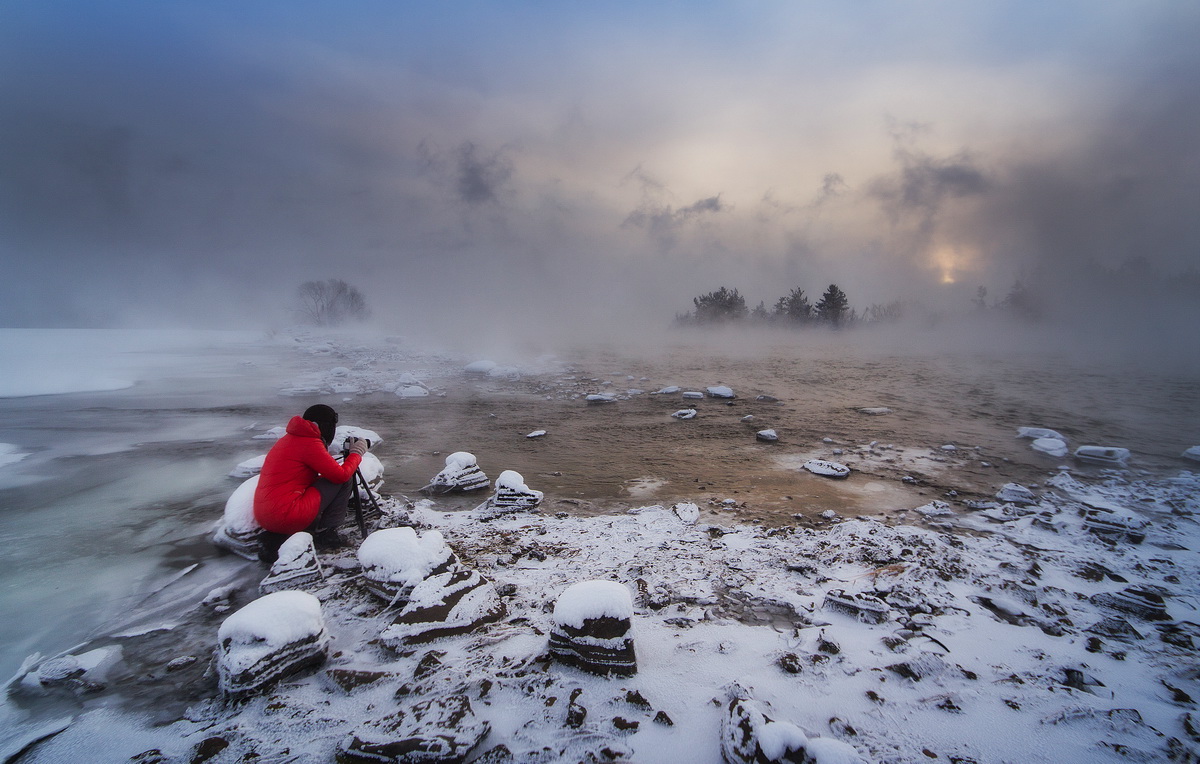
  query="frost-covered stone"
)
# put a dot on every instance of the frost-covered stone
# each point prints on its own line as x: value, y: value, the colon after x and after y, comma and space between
x: 693, y: 395
x: 767, y: 436
x: 395, y: 560
x: 1015, y: 493
x: 827, y: 469
x: 536, y: 434
x: 749, y: 736
x: 592, y: 628
x: 687, y: 512
x: 860, y: 606
x: 76, y: 674
x: 1051, y: 446
x: 444, y: 605
x: 512, y: 495
x: 1037, y: 433
x: 461, y: 474
x: 480, y: 367
x: 720, y: 391
x: 685, y: 414
x: 875, y: 411
x: 1104, y: 455
x: 437, y: 731
x: 274, y: 636
x: 597, y: 398
x: 344, y: 431
x: 238, y: 530
x: 668, y: 390
x: 1116, y: 526
x: 296, y: 568
x: 248, y: 468
x: 1192, y: 453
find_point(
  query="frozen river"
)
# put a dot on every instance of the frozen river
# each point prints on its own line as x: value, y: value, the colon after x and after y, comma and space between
x: 128, y: 448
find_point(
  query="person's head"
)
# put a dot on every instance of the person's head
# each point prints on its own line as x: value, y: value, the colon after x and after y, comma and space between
x: 325, y: 418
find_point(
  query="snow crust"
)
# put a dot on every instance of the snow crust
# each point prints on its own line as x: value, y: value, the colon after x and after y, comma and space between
x: 1051, y: 446
x: 514, y: 481
x: 587, y: 600
x: 239, y: 508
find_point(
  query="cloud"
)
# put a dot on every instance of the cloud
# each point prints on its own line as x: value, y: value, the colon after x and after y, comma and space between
x: 481, y: 179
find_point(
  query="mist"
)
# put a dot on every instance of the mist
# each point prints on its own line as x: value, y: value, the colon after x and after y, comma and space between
x: 495, y: 173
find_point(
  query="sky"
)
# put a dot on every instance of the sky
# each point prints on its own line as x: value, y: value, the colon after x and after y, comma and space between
x: 534, y: 163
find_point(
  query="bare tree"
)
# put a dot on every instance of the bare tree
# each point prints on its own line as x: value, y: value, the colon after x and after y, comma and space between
x: 330, y: 302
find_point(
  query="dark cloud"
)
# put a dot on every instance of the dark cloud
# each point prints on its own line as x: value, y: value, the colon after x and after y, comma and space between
x: 481, y: 178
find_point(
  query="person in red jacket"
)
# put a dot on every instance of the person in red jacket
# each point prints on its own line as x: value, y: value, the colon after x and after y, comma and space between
x: 301, y: 487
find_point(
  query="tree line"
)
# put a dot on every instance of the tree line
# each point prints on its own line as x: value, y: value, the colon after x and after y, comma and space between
x: 793, y: 309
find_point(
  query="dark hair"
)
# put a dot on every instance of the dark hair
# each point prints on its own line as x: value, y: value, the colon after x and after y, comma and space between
x: 325, y: 418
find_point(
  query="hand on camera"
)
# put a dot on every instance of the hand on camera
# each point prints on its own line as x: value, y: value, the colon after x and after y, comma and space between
x: 358, y: 446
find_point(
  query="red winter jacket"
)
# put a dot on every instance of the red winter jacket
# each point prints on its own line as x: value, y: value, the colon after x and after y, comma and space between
x: 286, y: 501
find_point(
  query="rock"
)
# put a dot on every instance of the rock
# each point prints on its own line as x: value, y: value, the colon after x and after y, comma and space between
x: 1138, y: 601
x: 669, y: 390
x: 720, y: 391
x: 748, y: 418
x: 444, y: 605
x: 598, y: 398
x: 1115, y: 526
x: 1114, y: 628
x: 460, y: 474
x: 480, y: 367
x: 1192, y: 453
x: 875, y: 411
x: 687, y: 512
x: 512, y: 495
x: 692, y: 395
x: 1103, y: 455
x: 297, y: 566
x: 767, y: 436
x: 274, y: 636
x: 576, y: 712
x: 351, y: 679
x: 536, y: 434
x: 749, y: 736
x: 766, y: 399
x: 864, y: 608
x: 827, y: 469
x: 238, y: 531
x: 1037, y: 433
x: 396, y: 560
x: 685, y: 414
x: 1051, y: 446
x: 1015, y: 493
x: 592, y: 628
x: 248, y: 468
x: 436, y: 731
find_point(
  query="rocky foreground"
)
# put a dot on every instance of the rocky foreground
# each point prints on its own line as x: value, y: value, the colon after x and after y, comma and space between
x: 1053, y: 624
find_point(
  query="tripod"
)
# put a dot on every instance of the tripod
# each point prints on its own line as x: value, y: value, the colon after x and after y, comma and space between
x: 358, y: 480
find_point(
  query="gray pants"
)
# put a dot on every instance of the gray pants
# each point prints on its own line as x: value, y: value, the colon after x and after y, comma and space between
x: 335, y: 500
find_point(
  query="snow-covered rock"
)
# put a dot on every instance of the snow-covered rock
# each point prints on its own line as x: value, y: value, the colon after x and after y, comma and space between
x: 749, y: 736
x: 1104, y: 455
x: 767, y: 436
x: 344, y: 431
x: 875, y: 410
x: 296, y: 568
x: 685, y: 414
x: 1015, y: 493
x: 461, y: 473
x: 275, y: 433
x: 693, y: 395
x: 512, y: 495
x: 668, y: 390
x: 238, y: 530
x: 395, y: 560
x: 536, y: 434
x: 248, y: 468
x: 1052, y: 446
x: 720, y: 391
x: 687, y: 512
x: 445, y: 604
x: 827, y: 469
x: 480, y: 367
x: 592, y: 628
x: 435, y: 731
x: 1192, y: 453
x: 274, y: 636
x: 1036, y: 433
x: 601, y: 398
x: 412, y: 391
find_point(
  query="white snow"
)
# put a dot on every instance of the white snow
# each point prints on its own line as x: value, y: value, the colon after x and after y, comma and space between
x: 399, y: 556
x: 513, y: 481
x: 274, y: 620
x: 720, y: 391
x: 536, y: 434
x: 685, y: 414
x: 1052, y: 446
x: 1039, y: 432
x: 248, y: 468
x: 592, y: 599
x: 239, y: 508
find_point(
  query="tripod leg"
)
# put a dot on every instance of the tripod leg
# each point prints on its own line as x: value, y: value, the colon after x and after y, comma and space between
x: 358, y: 513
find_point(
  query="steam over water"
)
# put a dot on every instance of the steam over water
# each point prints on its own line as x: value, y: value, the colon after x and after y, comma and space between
x: 121, y: 488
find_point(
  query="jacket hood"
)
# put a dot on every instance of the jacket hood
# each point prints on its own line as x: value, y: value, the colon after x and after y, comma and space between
x: 303, y: 428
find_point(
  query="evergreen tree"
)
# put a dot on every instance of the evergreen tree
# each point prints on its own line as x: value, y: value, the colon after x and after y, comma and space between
x: 834, y: 307
x: 759, y: 314
x: 794, y: 307
x: 721, y: 305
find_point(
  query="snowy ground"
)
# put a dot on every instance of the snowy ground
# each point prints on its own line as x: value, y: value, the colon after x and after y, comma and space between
x: 999, y: 644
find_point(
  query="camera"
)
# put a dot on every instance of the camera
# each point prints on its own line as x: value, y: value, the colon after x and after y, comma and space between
x: 348, y: 441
